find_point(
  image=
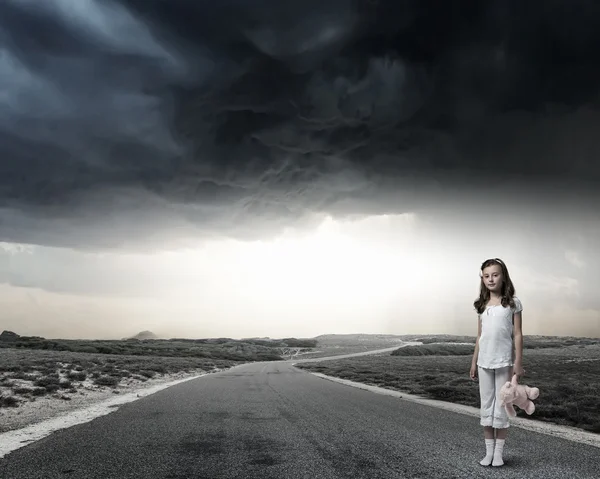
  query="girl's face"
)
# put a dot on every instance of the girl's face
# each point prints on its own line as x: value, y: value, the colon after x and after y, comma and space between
x: 492, y: 278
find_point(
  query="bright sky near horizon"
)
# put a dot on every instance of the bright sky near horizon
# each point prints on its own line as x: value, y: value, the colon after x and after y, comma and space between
x: 395, y: 274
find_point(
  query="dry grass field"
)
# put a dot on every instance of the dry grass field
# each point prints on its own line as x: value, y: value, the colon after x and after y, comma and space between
x: 28, y: 374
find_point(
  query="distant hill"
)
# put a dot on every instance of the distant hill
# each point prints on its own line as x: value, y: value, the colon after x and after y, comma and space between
x: 9, y: 336
x: 144, y: 335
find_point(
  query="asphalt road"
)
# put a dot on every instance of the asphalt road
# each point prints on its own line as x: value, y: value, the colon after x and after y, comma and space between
x: 271, y: 420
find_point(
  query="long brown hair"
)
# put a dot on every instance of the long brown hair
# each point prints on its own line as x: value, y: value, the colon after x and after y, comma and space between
x: 507, y: 291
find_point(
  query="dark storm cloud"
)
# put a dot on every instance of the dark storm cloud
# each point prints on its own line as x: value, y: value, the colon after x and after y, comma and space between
x: 146, y: 120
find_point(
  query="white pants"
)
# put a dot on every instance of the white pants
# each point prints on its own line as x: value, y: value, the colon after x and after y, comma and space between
x: 490, y: 382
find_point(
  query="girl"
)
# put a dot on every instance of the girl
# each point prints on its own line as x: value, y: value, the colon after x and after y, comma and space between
x: 498, y: 352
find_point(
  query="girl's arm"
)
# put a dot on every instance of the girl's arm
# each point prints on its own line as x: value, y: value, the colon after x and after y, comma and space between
x: 476, y: 352
x: 518, y: 338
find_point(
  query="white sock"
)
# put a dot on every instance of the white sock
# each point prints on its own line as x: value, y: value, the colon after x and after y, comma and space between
x: 489, y: 453
x: 498, y: 450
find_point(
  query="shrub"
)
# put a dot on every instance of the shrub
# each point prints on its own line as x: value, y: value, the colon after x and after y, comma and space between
x: 107, y: 381
x: 46, y: 381
x: 9, y: 401
x: 22, y: 390
x: 52, y: 388
x: 77, y: 375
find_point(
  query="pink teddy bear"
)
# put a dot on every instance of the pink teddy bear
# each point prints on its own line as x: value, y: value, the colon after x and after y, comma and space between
x: 515, y: 394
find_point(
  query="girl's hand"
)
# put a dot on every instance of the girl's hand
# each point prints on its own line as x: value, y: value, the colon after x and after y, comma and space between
x: 473, y: 372
x: 518, y: 369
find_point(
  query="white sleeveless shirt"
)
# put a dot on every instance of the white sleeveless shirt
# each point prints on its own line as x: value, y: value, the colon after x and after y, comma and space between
x: 496, y: 348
